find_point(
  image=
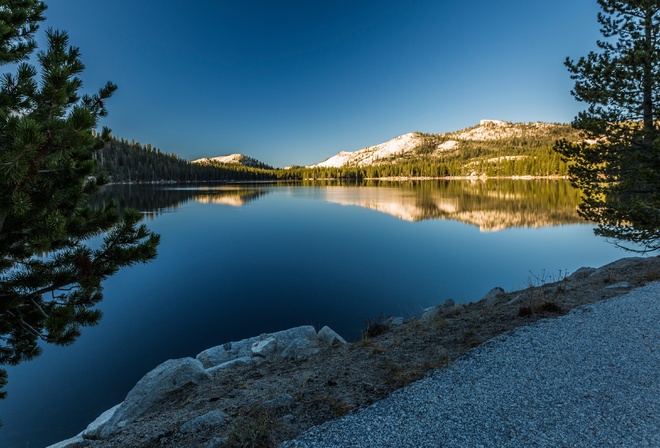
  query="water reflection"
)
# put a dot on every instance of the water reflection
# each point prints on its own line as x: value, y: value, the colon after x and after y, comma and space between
x: 292, y: 256
x: 153, y: 200
x: 491, y: 205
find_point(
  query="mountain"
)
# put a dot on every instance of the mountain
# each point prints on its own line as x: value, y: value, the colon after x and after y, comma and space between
x: 233, y: 159
x: 372, y: 154
x: 517, y: 140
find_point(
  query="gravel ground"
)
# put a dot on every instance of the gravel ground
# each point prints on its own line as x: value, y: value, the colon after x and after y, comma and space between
x: 590, y: 378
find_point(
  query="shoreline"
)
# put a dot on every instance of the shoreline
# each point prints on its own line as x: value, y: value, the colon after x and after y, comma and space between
x: 284, y: 397
x: 325, y: 179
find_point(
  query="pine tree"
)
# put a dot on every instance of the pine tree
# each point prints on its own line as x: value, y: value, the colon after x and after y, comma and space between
x: 50, y: 276
x: 618, y: 164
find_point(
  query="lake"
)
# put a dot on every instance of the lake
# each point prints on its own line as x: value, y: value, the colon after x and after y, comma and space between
x: 238, y: 261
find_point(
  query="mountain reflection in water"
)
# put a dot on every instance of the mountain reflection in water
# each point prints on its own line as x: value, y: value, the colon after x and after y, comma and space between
x: 154, y: 200
x: 491, y: 205
x: 241, y: 260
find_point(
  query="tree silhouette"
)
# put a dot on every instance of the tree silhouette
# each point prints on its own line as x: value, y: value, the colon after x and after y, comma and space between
x: 55, y: 250
x: 618, y: 164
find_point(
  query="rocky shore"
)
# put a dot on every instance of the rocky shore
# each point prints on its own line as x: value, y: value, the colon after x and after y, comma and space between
x: 264, y: 390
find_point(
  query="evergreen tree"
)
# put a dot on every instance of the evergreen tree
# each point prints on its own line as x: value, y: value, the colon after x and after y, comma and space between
x: 50, y: 275
x: 618, y: 164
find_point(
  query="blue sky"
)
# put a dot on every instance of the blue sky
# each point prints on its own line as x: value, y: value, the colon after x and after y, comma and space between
x: 294, y: 82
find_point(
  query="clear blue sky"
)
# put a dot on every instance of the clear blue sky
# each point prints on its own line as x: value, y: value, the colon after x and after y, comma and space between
x: 294, y: 82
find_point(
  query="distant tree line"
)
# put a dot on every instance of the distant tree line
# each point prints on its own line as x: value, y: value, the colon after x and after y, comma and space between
x: 132, y: 162
x: 527, y: 153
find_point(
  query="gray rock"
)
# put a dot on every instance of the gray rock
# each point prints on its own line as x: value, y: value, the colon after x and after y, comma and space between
x: 297, y: 343
x: 493, y: 297
x: 265, y: 348
x: 394, y: 321
x: 450, y: 307
x: 328, y: 338
x: 604, y: 274
x: 430, y: 313
x: 294, y: 343
x: 169, y: 377
x: 69, y: 443
x: 281, y: 401
x: 210, y: 420
x: 581, y: 273
x: 447, y: 308
x: 226, y: 352
x: 243, y: 361
x: 93, y: 430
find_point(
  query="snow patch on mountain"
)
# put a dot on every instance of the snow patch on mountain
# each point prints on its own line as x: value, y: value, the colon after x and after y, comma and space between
x: 369, y: 155
x: 234, y: 159
x: 231, y: 158
x: 499, y: 130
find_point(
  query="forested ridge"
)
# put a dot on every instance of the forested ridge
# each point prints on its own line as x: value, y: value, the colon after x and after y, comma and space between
x: 494, y: 151
x: 127, y: 162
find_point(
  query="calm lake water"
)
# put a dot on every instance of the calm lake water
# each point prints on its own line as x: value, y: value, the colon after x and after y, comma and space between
x: 239, y: 261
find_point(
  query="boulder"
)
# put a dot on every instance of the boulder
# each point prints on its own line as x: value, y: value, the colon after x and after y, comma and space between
x: 227, y: 352
x: 242, y: 361
x: 606, y: 273
x: 210, y: 420
x: 581, y: 273
x: 296, y: 343
x: 394, y: 322
x: 93, y: 430
x: 430, y: 313
x: 328, y: 338
x: 448, y: 307
x: 73, y: 442
x: 493, y: 297
x: 166, y: 379
x: 265, y: 348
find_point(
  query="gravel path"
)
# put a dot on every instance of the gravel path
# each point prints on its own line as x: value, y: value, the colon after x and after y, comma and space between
x: 590, y: 378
